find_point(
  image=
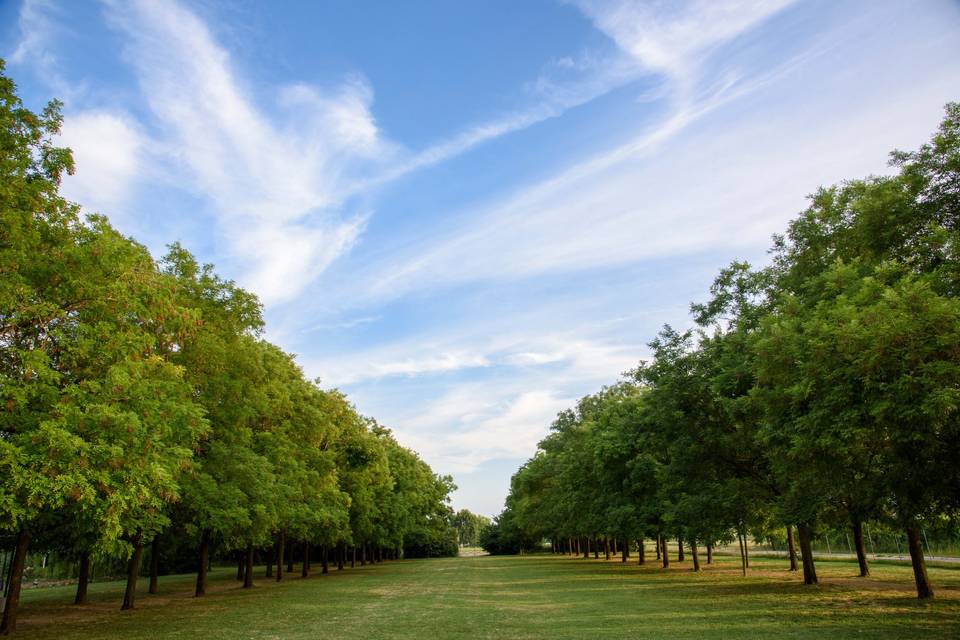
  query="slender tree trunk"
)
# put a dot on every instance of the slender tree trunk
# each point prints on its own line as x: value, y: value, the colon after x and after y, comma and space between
x: 606, y: 547
x: 281, y: 543
x: 305, y: 570
x: 657, y: 546
x: 8, y: 624
x: 323, y: 560
x: 625, y: 550
x: 363, y: 554
x: 746, y: 552
x: 743, y: 559
x: 806, y: 553
x: 268, y: 560
x: 133, y: 571
x: 695, y: 554
x: 289, y: 553
x: 641, y: 551
x: 586, y: 547
x: 924, y: 590
x: 680, y: 549
x: 83, y: 578
x: 341, y: 555
x: 861, y: 547
x: 791, y: 548
x: 709, y: 553
x: 154, y: 565
x: 664, y: 554
x: 353, y: 557
x: 204, y: 563
x: 248, y: 570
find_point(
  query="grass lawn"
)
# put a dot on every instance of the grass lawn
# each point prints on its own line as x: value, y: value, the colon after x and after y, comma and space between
x: 516, y: 597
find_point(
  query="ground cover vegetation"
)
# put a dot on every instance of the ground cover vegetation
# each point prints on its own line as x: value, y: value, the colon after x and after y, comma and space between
x: 531, y: 596
x: 141, y: 412
x: 816, y: 394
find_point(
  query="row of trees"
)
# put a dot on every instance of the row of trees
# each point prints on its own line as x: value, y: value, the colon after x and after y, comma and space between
x: 139, y: 405
x: 821, y: 389
x: 469, y: 526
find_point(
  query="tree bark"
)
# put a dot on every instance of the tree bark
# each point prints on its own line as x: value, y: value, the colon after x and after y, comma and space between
x: 606, y: 547
x: 680, y: 556
x: 792, y: 549
x: 341, y: 554
x: 860, y: 547
x: 695, y: 554
x: 924, y: 590
x: 709, y: 553
x: 289, y: 552
x: 133, y: 571
x: 641, y: 552
x: 586, y: 547
x: 204, y: 563
x: 596, y: 548
x: 625, y: 550
x: 743, y: 559
x: 8, y: 624
x: 305, y: 570
x: 248, y: 567
x: 664, y: 554
x: 154, y: 565
x: 353, y: 557
x: 806, y: 553
x: 657, y: 547
x: 83, y: 578
x: 746, y: 552
x: 324, y: 565
x: 281, y: 544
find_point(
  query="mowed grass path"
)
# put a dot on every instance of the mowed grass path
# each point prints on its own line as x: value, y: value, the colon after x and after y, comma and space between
x: 516, y: 597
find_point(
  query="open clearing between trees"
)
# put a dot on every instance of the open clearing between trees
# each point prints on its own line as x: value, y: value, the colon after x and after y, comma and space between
x: 538, y: 596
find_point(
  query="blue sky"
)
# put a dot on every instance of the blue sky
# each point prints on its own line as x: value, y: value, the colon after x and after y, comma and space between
x: 467, y: 215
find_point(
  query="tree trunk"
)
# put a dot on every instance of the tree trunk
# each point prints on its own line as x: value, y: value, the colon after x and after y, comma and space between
x: 363, y: 554
x: 305, y: 570
x: 664, y: 555
x: 625, y: 550
x: 743, y: 560
x: 924, y: 590
x: 289, y: 553
x: 83, y: 578
x: 281, y: 543
x: 641, y: 552
x: 695, y: 554
x: 861, y: 547
x: 806, y: 553
x: 596, y: 548
x: 154, y: 565
x: 248, y: 569
x: 269, y: 561
x: 133, y: 571
x: 325, y: 568
x: 792, y: 549
x: 353, y: 557
x: 657, y: 546
x: 586, y: 547
x: 204, y: 563
x: 746, y: 552
x: 606, y: 547
x: 679, y: 548
x: 341, y: 553
x: 240, y: 566
x: 8, y: 624
x: 709, y: 553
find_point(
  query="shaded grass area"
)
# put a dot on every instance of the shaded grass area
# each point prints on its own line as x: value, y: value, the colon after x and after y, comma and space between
x: 516, y: 597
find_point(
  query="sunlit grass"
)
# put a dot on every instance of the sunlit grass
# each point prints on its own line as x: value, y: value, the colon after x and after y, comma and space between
x: 538, y: 596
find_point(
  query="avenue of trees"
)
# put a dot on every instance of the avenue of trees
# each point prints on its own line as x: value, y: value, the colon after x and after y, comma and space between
x: 140, y: 409
x: 818, y: 392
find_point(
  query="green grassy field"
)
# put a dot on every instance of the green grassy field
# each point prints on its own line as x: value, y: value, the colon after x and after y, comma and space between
x: 516, y: 597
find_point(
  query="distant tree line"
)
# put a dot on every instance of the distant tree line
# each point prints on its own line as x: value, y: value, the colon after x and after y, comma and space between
x: 140, y: 408
x: 818, y: 392
x: 469, y: 525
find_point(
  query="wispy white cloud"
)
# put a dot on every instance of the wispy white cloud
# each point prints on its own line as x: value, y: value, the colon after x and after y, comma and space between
x: 108, y: 150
